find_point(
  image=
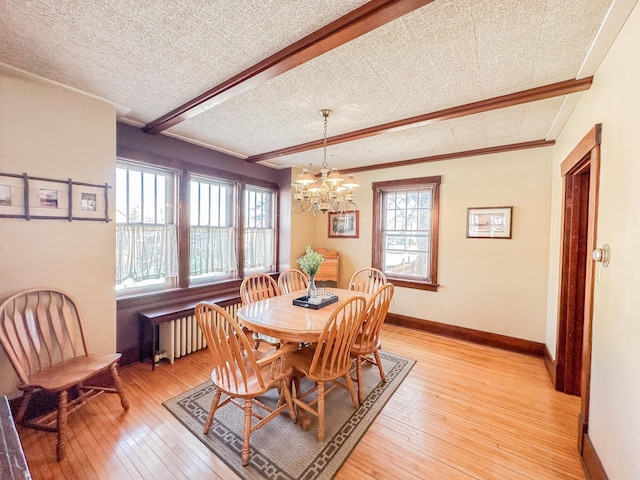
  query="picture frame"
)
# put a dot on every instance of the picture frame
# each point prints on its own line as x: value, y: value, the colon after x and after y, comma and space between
x: 489, y: 222
x: 48, y: 198
x: 88, y: 202
x: 12, y: 196
x: 39, y: 198
x: 344, y: 225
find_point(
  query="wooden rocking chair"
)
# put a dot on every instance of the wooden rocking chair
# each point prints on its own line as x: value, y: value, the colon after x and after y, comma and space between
x: 42, y: 333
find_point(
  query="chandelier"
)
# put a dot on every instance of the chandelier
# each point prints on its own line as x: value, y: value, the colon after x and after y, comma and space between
x: 332, y: 193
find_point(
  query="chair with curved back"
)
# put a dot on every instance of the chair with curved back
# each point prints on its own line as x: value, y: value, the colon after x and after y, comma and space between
x: 329, y: 359
x: 367, y: 280
x: 255, y: 287
x: 292, y: 280
x: 239, y: 374
x: 42, y: 333
x: 368, y: 340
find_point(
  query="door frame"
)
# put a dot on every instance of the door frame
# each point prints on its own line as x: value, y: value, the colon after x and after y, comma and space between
x: 584, y: 158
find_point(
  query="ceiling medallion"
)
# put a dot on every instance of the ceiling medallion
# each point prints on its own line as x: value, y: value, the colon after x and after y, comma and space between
x: 331, y: 194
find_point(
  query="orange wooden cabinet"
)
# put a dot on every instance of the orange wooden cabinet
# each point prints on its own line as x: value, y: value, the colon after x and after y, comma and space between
x: 329, y: 270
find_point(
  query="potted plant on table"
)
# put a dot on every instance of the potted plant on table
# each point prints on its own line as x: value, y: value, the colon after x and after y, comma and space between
x: 309, y: 264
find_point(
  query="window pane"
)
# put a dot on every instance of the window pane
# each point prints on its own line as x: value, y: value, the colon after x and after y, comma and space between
x: 391, y: 200
x: 401, y: 220
x: 135, y: 197
x: 424, y: 219
x: 425, y: 199
x: 194, y: 205
x: 204, y: 205
x: 412, y: 199
x: 121, y: 195
x: 149, y: 201
x: 412, y: 219
x: 161, y: 199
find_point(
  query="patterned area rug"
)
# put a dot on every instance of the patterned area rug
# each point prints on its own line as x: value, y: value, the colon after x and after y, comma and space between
x: 281, y: 449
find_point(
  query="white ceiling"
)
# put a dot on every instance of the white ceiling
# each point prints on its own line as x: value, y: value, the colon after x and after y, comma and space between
x: 150, y: 57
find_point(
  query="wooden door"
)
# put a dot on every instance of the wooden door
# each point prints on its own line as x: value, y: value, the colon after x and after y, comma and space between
x: 581, y: 172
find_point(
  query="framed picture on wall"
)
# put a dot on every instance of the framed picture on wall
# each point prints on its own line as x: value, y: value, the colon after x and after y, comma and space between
x: 489, y: 222
x: 343, y: 225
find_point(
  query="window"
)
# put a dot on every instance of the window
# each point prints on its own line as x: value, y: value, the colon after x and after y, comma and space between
x: 146, y: 237
x: 406, y: 231
x: 185, y: 229
x: 213, y: 232
x: 259, y: 230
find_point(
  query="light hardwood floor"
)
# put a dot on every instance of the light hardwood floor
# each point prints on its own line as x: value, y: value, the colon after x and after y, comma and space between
x: 464, y: 412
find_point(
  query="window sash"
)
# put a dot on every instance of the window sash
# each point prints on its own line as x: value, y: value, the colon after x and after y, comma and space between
x: 146, y: 234
x: 212, y: 252
x: 405, y: 233
x: 145, y: 252
x: 259, y: 240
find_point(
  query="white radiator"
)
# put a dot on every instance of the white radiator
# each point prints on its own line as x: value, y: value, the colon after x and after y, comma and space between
x: 183, y: 336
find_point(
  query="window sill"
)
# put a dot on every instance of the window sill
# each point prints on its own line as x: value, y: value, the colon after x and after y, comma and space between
x: 403, y: 282
x: 177, y: 294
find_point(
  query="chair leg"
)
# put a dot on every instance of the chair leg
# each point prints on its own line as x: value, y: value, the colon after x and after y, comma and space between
x: 284, y: 389
x: 117, y: 383
x: 62, y: 425
x: 22, y: 409
x: 214, y: 405
x: 359, y: 379
x: 246, y: 448
x: 321, y: 412
x: 379, y: 364
x: 354, y: 397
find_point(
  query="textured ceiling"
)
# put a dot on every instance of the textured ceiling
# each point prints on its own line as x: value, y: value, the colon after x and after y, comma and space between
x: 153, y: 56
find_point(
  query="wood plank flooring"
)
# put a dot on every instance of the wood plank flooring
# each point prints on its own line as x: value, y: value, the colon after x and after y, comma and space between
x: 465, y: 411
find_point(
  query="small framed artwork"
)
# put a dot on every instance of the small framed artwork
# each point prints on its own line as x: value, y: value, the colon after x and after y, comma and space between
x: 11, y: 196
x: 48, y: 198
x: 489, y: 222
x: 343, y: 225
x: 89, y: 202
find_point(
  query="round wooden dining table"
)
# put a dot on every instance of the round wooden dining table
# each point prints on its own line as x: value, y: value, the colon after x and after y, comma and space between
x: 278, y: 317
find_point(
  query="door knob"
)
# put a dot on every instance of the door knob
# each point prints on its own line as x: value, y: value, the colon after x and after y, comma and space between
x: 602, y: 255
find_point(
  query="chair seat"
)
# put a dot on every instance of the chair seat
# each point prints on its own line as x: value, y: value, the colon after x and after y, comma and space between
x: 70, y: 372
x: 253, y: 387
x: 301, y: 361
x: 362, y: 348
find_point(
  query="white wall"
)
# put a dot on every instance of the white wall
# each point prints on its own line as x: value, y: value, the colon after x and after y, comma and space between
x: 52, y: 132
x: 614, y: 101
x: 493, y: 285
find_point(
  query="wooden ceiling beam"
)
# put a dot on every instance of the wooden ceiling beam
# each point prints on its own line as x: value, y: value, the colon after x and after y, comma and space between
x: 362, y: 20
x: 504, y: 101
x: 450, y: 156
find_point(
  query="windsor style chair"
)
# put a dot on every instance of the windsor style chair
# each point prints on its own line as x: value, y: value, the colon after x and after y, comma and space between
x: 42, y: 333
x: 239, y: 374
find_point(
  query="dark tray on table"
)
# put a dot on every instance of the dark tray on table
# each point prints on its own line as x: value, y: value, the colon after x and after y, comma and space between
x: 303, y: 302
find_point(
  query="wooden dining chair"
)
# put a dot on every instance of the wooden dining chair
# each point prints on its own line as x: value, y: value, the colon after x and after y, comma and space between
x: 368, y: 340
x: 329, y: 360
x: 255, y: 287
x: 42, y: 333
x: 239, y: 374
x: 367, y: 280
x: 292, y: 280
